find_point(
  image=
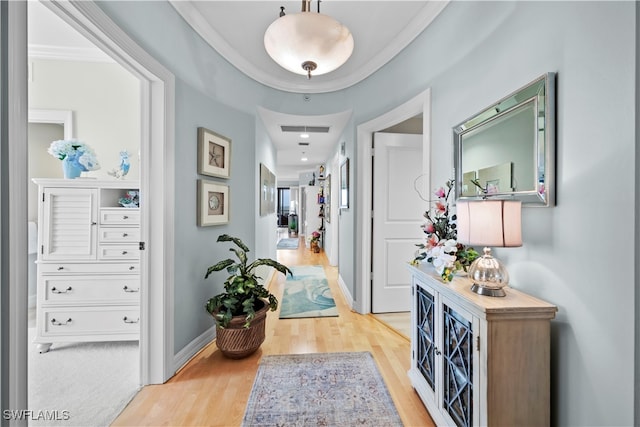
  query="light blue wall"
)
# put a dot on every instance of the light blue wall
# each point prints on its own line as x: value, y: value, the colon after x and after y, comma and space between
x: 578, y: 255
x: 196, y: 247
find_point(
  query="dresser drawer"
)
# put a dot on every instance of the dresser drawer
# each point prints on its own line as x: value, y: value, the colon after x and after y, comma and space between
x: 119, y: 234
x: 120, y: 216
x: 88, y: 321
x: 132, y: 267
x: 119, y: 252
x: 97, y: 290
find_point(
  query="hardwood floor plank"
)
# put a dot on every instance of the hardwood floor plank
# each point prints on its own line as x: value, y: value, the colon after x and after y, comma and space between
x: 212, y: 390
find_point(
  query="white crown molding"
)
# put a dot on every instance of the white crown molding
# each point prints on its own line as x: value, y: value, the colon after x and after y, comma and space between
x: 413, y: 28
x: 67, y: 53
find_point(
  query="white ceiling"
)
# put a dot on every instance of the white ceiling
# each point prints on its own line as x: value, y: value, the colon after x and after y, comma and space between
x: 381, y: 29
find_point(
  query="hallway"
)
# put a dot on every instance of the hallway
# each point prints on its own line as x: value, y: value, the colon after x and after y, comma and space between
x: 212, y: 390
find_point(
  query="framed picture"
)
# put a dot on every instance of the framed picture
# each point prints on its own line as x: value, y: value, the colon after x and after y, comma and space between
x: 344, y: 184
x: 267, y: 191
x: 214, y: 153
x: 327, y: 199
x: 213, y: 203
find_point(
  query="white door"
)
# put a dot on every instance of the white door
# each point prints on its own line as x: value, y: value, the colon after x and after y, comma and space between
x: 397, y: 216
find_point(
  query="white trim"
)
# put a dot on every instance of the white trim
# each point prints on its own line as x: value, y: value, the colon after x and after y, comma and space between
x: 157, y: 179
x: 67, y: 53
x: 345, y: 292
x: 283, y: 82
x: 186, y: 354
x: 63, y: 117
x: 14, y: 167
x: 364, y: 134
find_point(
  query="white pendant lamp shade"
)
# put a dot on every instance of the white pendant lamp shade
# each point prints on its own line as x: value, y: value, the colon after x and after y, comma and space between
x: 308, y: 43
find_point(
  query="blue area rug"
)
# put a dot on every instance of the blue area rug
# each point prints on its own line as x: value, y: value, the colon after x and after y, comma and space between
x: 321, y: 389
x: 288, y: 244
x: 307, y: 294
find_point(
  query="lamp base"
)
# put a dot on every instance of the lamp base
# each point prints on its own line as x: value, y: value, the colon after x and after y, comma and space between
x: 488, y: 292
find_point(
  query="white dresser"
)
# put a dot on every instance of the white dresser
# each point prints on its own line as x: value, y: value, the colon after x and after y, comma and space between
x: 478, y: 360
x: 88, y: 262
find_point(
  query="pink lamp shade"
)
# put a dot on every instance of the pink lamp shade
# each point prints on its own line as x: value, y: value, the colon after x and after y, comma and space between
x: 489, y: 223
x: 493, y: 223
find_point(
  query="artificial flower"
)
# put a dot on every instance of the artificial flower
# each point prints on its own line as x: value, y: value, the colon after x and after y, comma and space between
x: 76, y: 151
x: 441, y: 248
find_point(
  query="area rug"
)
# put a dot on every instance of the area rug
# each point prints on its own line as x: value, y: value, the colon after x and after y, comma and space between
x: 288, y: 244
x: 307, y: 294
x: 81, y: 384
x: 321, y: 389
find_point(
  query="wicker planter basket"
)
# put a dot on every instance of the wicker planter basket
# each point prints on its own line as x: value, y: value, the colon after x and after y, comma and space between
x: 235, y: 341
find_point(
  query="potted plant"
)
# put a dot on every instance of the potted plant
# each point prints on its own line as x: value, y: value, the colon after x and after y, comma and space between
x: 314, y: 241
x: 240, y: 311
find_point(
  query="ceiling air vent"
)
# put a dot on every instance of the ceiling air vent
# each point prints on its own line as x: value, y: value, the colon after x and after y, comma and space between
x: 304, y: 144
x: 310, y: 129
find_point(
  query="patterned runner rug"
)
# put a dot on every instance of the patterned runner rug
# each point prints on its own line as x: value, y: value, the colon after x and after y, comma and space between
x: 322, y: 389
x: 288, y: 243
x: 307, y: 294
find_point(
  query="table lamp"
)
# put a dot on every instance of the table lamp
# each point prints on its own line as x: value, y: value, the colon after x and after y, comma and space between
x: 489, y: 223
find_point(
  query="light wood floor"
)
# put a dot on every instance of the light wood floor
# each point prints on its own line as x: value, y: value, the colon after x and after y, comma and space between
x: 213, y: 391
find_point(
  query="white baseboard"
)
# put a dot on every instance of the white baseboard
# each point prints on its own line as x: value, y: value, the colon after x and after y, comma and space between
x: 191, y: 349
x: 345, y: 291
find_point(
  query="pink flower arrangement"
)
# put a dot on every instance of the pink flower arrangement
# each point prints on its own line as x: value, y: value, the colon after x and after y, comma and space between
x: 441, y: 248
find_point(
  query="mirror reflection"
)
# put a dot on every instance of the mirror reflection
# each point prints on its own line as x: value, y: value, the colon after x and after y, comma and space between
x: 506, y: 151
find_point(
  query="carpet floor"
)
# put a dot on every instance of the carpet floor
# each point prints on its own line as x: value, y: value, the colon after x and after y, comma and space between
x: 287, y: 243
x: 307, y: 294
x: 81, y: 384
x: 320, y: 389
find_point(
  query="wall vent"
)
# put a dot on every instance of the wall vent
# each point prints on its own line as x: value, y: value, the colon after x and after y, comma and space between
x: 309, y: 129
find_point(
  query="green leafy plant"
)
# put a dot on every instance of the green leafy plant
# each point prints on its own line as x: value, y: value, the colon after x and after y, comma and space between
x: 243, y: 292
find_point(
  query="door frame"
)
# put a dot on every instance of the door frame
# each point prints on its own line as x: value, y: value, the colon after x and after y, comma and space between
x: 421, y: 103
x: 157, y: 180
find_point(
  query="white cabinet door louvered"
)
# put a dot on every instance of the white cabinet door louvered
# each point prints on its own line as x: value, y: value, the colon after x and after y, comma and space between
x: 70, y: 226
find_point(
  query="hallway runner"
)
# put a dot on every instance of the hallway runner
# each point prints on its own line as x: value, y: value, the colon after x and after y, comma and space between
x: 321, y: 389
x: 307, y: 294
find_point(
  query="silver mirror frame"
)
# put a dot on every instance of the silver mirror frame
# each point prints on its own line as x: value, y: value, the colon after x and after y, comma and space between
x: 540, y: 92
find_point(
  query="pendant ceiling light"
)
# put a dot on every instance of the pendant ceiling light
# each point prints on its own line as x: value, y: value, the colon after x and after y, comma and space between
x: 308, y: 42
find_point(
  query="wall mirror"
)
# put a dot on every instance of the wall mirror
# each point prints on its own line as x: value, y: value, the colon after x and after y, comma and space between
x: 507, y: 150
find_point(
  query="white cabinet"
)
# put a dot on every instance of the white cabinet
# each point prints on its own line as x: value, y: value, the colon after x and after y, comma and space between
x: 479, y: 360
x: 88, y: 262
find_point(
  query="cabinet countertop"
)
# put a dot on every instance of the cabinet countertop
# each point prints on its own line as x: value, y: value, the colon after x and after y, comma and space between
x: 460, y: 289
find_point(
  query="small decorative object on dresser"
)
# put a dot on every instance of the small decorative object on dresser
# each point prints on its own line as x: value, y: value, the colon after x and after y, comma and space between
x: 76, y: 156
x: 88, y: 262
x: 240, y: 311
x: 214, y: 153
x: 479, y: 361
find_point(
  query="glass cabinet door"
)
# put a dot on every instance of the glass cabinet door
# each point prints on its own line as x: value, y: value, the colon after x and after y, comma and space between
x: 425, y: 337
x: 457, y: 353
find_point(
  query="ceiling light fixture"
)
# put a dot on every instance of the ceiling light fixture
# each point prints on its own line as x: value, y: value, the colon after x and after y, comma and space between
x: 308, y: 41
x: 304, y: 158
x: 304, y: 134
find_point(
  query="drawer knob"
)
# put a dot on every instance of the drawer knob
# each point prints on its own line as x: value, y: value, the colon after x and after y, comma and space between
x: 127, y: 320
x: 60, y: 268
x: 124, y: 252
x: 125, y: 216
x: 58, y: 291
x: 131, y: 267
x: 57, y: 323
x: 128, y: 289
x: 125, y: 234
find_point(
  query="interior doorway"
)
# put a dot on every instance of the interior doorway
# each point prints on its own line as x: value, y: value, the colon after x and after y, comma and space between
x: 96, y: 91
x: 417, y: 109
